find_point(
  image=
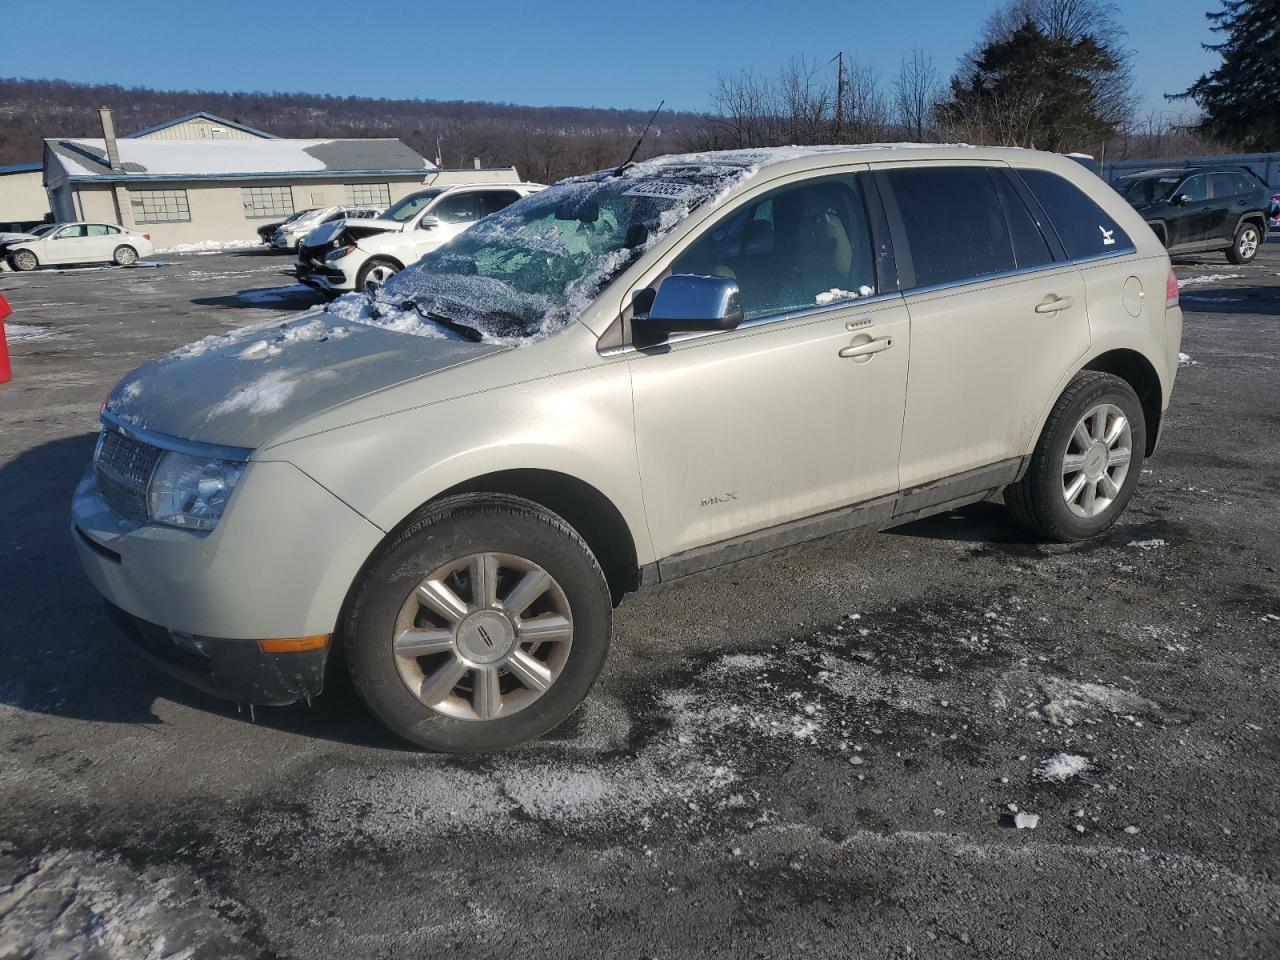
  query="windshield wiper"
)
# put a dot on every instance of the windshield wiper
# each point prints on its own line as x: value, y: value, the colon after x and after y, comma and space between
x: 461, y: 329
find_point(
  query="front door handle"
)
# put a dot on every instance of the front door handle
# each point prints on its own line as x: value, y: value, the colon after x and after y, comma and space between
x: 1054, y: 304
x: 868, y: 348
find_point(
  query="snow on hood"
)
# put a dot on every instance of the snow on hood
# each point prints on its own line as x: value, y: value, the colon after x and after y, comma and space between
x: 245, y: 387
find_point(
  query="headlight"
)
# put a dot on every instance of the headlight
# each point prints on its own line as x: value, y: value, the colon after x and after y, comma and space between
x: 192, y: 491
x: 339, y: 253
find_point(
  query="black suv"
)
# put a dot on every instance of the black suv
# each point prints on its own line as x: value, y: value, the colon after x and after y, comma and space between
x: 1193, y: 209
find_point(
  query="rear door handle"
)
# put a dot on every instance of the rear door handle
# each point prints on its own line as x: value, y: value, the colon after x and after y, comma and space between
x: 1054, y: 304
x: 868, y: 348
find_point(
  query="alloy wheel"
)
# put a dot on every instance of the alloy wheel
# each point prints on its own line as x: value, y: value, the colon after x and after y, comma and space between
x: 1096, y: 461
x: 1248, y: 243
x: 378, y: 274
x: 483, y: 636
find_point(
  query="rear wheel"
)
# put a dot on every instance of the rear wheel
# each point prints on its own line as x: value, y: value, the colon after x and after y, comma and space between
x: 125, y: 256
x: 375, y: 273
x: 481, y: 625
x: 1245, y: 246
x: 1086, y: 463
x: 24, y: 260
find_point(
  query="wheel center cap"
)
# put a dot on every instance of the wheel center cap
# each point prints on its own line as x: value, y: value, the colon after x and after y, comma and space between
x: 1095, y: 461
x: 485, y: 637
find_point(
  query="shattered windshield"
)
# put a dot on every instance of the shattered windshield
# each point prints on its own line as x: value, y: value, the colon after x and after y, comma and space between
x: 534, y: 267
x: 1150, y: 189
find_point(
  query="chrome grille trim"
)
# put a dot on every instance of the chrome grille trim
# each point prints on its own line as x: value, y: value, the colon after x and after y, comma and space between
x: 122, y: 467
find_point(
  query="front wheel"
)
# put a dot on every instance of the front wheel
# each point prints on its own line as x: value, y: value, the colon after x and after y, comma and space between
x: 125, y: 256
x: 24, y: 260
x: 1245, y: 246
x: 374, y: 274
x: 1086, y: 463
x: 483, y: 624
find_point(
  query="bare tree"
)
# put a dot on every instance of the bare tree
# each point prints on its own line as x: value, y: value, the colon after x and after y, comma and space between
x: 915, y: 92
x: 866, y: 112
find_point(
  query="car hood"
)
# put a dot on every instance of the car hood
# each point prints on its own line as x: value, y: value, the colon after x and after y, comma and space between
x: 243, y: 388
x: 355, y: 229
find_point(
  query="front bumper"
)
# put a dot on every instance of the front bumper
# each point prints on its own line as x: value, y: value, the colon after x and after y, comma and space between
x: 234, y: 669
x: 319, y: 275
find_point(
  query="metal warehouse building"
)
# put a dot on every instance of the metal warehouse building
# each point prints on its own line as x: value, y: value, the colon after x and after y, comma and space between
x: 191, y: 191
x: 23, y: 201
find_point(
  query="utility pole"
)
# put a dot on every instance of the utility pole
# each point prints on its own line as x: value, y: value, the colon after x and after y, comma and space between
x: 840, y: 85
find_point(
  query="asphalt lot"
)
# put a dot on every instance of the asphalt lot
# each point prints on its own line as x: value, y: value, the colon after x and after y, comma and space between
x: 817, y: 753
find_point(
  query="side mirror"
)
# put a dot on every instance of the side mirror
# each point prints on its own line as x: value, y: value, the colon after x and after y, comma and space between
x: 1182, y: 199
x: 686, y: 303
x: 428, y: 223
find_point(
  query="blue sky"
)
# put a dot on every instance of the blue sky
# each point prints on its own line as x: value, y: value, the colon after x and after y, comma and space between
x: 609, y: 54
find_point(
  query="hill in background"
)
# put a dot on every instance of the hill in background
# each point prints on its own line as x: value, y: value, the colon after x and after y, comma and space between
x: 545, y: 143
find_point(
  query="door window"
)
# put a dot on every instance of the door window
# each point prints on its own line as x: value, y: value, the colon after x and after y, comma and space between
x: 455, y: 208
x: 1085, y: 229
x: 97, y: 230
x: 1195, y: 188
x: 67, y: 233
x: 954, y: 223
x: 491, y: 201
x: 799, y: 247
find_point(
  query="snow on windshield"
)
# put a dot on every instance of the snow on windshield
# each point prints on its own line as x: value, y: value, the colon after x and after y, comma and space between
x: 528, y: 271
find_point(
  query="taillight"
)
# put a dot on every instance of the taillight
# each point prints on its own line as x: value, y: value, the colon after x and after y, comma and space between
x: 1171, y: 290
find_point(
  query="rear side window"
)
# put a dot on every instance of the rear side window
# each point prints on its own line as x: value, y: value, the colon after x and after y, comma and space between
x: 1086, y: 230
x: 491, y: 201
x: 954, y: 223
x: 1224, y: 185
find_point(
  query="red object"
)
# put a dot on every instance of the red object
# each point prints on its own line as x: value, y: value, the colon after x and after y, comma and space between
x: 6, y: 374
x: 1171, y: 290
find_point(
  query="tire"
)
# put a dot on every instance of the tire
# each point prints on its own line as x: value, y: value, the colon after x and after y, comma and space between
x: 375, y: 273
x: 1245, y: 245
x: 1039, y: 501
x: 24, y: 260
x: 124, y: 256
x: 416, y: 695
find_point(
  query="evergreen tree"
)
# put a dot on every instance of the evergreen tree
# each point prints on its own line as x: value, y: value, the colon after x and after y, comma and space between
x: 1241, y: 98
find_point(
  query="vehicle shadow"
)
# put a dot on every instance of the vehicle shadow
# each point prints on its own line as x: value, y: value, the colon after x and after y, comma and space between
x: 1262, y: 300
x: 61, y: 655
x: 987, y: 521
x: 283, y: 297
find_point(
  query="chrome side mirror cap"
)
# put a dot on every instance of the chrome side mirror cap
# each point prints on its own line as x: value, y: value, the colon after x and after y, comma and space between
x: 686, y: 303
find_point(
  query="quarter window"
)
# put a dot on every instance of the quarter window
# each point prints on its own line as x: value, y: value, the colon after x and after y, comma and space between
x: 1223, y: 185
x: 1030, y: 249
x: 160, y: 206
x: 369, y: 195
x: 1085, y: 229
x: 794, y: 249
x: 954, y: 223
x: 261, y: 203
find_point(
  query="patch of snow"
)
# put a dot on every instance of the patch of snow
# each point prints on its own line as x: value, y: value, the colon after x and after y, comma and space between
x: 265, y: 395
x: 1070, y: 701
x: 273, y: 294
x: 1062, y: 766
x: 274, y: 345
x: 26, y: 332
x: 1208, y: 278
x: 835, y: 294
x: 1026, y: 821
x: 213, y: 246
x: 1184, y: 360
x: 1153, y: 544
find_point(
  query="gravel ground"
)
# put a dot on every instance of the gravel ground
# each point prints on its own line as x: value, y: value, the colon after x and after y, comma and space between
x: 941, y: 741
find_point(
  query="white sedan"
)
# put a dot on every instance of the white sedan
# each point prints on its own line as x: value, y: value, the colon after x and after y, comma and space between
x: 78, y: 243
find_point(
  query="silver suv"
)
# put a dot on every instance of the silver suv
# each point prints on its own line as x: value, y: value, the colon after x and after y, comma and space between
x: 447, y: 485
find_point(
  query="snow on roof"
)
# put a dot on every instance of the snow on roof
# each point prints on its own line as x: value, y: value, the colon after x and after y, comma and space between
x: 214, y: 158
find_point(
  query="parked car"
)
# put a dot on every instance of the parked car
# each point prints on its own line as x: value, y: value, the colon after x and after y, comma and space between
x: 289, y: 236
x: 268, y: 229
x: 1197, y: 209
x: 446, y: 486
x: 339, y: 258
x: 80, y: 242
x: 37, y: 231
x: 1273, y: 213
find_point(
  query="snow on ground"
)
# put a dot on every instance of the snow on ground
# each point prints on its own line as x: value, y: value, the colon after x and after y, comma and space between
x: 273, y: 294
x: 1072, y: 701
x: 1208, y: 278
x: 214, y: 246
x: 1153, y: 544
x: 1185, y: 360
x: 26, y: 332
x: 1062, y: 766
x: 74, y: 904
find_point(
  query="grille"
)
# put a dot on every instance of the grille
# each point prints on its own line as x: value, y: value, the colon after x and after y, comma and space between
x: 123, y: 468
